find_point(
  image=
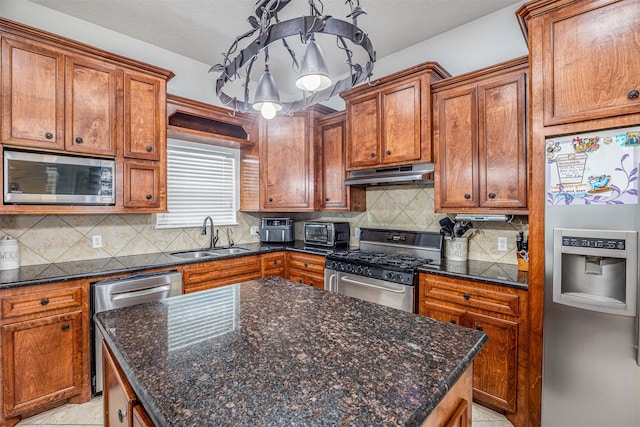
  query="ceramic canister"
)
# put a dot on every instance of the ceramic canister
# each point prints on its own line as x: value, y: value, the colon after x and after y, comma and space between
x: 9, y: 253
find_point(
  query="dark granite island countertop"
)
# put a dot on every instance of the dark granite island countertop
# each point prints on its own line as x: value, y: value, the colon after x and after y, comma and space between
x: 272, y: 352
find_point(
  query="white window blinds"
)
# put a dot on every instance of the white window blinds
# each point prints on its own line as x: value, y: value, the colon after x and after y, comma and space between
x: 202, y: 180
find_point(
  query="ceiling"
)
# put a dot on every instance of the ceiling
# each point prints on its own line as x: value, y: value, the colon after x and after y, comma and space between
x: 204, y: 29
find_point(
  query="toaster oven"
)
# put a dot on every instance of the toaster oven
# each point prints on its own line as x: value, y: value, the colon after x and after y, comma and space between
x: 330, y: 234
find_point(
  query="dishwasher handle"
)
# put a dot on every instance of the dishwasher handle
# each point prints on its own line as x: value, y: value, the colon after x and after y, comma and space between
x: 142, y: 292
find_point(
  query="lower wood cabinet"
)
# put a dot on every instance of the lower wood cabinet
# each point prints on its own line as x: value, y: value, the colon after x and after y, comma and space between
x: 500, y: 312
x: 45, y: 347
x: 213, y: 274
x: 120, y: 404
x: 274, y: 264
x: 306, y: 268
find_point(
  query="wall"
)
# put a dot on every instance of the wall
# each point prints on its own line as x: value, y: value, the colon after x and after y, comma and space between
x: 59, y: 238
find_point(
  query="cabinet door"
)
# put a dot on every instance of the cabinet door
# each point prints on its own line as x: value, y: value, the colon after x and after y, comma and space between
x: 503, y: 142
x: 400, y: 112
x: 443, y: 313
x: 591, y: 62
x: 286, y: 158
x: 32, y: 95
x: 456, y: 148
x: 363, y: 132
x: 91, y: 106
x: 496, y: 366
x: 141, y: 185
x: 331, y: 166
x: 144, y: 116
x: 41, y: 361
x: 118, y: 396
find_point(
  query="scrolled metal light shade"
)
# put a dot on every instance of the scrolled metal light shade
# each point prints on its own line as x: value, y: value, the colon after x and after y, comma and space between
x: 270, y: 29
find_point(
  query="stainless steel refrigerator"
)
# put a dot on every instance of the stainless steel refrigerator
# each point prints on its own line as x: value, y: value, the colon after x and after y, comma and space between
x: 591, y: 364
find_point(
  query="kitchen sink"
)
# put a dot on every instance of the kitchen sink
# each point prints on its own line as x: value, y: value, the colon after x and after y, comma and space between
x: 229, y: 251
x: 199, y: 253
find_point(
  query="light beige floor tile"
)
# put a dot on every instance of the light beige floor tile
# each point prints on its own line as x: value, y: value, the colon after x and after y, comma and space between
x: 480, y: 413
x: 87, y: 414
x: 495, y: 423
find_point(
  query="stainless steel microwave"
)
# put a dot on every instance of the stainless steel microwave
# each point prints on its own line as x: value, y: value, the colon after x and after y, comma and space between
x: 55, y: 179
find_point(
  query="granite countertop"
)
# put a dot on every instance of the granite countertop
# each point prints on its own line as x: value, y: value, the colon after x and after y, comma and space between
x: 490, y: 272
x: 272, y: 352
x: 502, y: 274
x: 47, y: 273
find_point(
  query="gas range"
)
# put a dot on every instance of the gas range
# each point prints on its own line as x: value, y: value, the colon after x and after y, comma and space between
x: 385, y: 268
x: 392, y: 255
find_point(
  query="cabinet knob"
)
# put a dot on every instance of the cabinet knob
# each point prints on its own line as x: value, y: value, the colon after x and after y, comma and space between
x: 304, y: 264
x: 275, y: 262
x: 44, y: 301
x: 310, y: 283
x: 270, y: 199
x: 467, y: 196
x: 492, y: 195
x: 149, y: 196
x: 478, y: 327
x: 453, y: 321
x: 48, y: 135
x: 372, y: 155
x: 65, y: 327
x: 326, y: 199
x: 388, y: 152
x: 121, y: 415
x: 300, y: 281
x: 466, y: 296
x: 149, y: 148
x: 79, y: 140
x: 633, y: 94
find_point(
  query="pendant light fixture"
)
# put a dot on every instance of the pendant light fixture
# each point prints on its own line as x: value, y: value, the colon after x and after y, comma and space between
x: 312, y: 73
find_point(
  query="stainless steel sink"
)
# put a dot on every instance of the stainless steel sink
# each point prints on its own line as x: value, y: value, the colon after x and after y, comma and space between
x: 229, y: 251
x: 199, y: 253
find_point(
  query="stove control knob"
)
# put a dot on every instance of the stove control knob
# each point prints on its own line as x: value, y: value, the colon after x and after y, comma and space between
x: 390, y: 276
x: 366, y: 271
x: 359, y: 269
x: 350, y: 268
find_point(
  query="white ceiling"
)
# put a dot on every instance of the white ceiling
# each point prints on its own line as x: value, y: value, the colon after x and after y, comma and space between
x: 204, y: 29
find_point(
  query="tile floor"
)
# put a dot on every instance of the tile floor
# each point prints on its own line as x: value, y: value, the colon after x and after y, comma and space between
x: 90, y: 415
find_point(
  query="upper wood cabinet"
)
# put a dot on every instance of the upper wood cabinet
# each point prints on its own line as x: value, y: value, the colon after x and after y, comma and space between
x: 587, y: 57
x: 390, y: 123
x: 331, y: 193
x: 63, y: 96
x: 480, y: 140
x: 287, y: 161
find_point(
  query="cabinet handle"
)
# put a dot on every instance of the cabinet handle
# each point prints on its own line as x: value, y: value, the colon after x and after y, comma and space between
x: 453, y: 322
x: 44, y: 301
x: 121, y: 415
x: 149, y: 196
x: 467, y: 196
x: 388, y: 152
x: 633, y: 94
x: 65, y: 327
x: 478, y: 327
x: 372, y: 155
x: 79, y: 140
x: 48, y: 135
x: 492, y: 195
x: 149, y: 148
x: 466, y: 296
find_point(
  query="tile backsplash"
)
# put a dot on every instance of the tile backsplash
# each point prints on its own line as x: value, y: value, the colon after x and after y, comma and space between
x: 58, y: 238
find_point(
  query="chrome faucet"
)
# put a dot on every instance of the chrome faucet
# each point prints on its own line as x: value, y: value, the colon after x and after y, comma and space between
x: 230, y: 241
x: 214, y: 239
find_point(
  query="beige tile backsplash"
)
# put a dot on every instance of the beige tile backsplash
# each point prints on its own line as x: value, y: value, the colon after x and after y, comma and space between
x: 58, y: 238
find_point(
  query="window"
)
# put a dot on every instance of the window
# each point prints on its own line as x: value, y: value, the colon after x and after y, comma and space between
x: 202, y: 180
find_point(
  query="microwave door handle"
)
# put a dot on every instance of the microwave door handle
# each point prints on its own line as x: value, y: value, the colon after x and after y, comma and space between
x: 388, y: 289
x: 282, y: 238
x: 266, y: 237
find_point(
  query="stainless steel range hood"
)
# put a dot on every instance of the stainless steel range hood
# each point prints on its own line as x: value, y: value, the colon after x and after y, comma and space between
x: 410, y: 174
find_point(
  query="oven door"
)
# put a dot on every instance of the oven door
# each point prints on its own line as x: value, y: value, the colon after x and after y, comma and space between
x: 394, y: 295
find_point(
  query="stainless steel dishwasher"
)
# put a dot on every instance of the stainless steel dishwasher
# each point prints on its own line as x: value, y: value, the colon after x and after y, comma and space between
x: 123, y: 292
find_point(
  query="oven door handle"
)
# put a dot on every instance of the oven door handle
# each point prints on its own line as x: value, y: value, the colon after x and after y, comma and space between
x: 357, y: 282
x: 140, y: 293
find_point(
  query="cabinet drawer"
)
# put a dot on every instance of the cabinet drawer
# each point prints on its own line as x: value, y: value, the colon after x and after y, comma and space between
x: 41, y: 302
x: 216, y: 283
x: 307, y: 278
x: 307, y: 262
x: 273, y: 264
x: 444, y: 314
x: 451, y: 290
x: 222, y: 269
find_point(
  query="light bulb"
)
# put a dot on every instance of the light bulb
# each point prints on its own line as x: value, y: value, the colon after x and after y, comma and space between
x: 311, y: 82
x: 268, y: 110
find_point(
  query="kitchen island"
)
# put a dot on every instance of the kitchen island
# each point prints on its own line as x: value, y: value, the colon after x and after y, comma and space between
x: 273, y: 352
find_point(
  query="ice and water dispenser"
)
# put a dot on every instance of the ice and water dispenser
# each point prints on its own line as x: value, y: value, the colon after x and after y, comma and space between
x: 596, y: 270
